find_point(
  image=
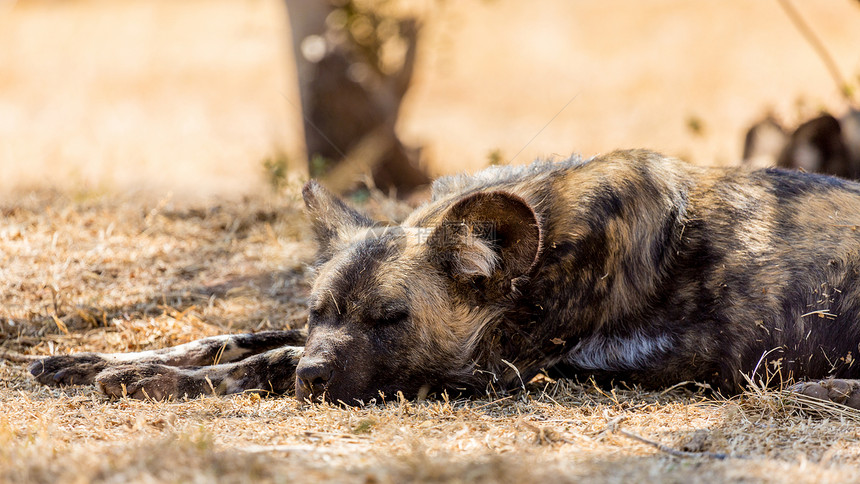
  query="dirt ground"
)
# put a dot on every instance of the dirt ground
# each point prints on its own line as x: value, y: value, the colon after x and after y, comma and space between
x: 135, y: 213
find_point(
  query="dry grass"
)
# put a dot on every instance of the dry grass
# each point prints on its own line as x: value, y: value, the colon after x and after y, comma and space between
x: 132, y: 273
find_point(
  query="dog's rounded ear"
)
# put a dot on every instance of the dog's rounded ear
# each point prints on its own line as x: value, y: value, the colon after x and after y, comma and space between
x: 491, y: 235
x: 332, y: 219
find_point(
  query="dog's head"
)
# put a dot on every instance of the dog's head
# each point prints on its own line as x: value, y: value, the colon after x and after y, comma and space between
x: 405, y: 308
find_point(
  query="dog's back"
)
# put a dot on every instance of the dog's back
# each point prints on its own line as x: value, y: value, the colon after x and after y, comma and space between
x: 656, y: 271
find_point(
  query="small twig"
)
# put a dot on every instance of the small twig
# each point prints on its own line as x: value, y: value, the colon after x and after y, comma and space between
x: 59, y: 322
x: 493, y: 402
x: 821, y: 312
x: 334, y: 301
x: 594, y: 384
x: 211, y: 386
x: 819, y: 48
x: 703, y: 386
x: 673, y: 451
x: 18, y: 358
x: 614, y: 427
x: 219, y: 354
x: 522, y: 383
x: 611, y: 425
x: 762, y: 385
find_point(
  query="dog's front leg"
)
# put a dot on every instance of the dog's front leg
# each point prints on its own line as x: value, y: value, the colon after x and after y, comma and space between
x: 271, y: 372
x: 82, y: 368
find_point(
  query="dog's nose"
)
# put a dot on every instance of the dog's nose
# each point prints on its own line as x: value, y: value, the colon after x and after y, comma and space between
x: 312, y: 377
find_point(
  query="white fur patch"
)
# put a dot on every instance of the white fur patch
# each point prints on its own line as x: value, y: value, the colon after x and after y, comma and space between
x: 634, y: 352
x: 476, y: 258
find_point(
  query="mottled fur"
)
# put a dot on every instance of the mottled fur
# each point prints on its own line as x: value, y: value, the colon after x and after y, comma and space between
x: 635, y: 267
x: 630, y: 266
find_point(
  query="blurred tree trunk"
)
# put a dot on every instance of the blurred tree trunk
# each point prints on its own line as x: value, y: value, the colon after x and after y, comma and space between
x: 354, y: 66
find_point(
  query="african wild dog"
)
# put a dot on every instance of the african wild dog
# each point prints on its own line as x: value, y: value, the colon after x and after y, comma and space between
x: 630, y: 267
x: 823, y: 144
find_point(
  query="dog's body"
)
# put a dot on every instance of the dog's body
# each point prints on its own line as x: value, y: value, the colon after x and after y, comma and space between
x: 630, y: 266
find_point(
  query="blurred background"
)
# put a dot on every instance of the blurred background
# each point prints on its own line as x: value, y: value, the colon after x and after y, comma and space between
x: 205, y: 98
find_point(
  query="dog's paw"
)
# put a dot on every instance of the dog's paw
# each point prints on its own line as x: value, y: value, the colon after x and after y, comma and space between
x: 147, y: 381
x: 846, y: 392
x: 79, y: 369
